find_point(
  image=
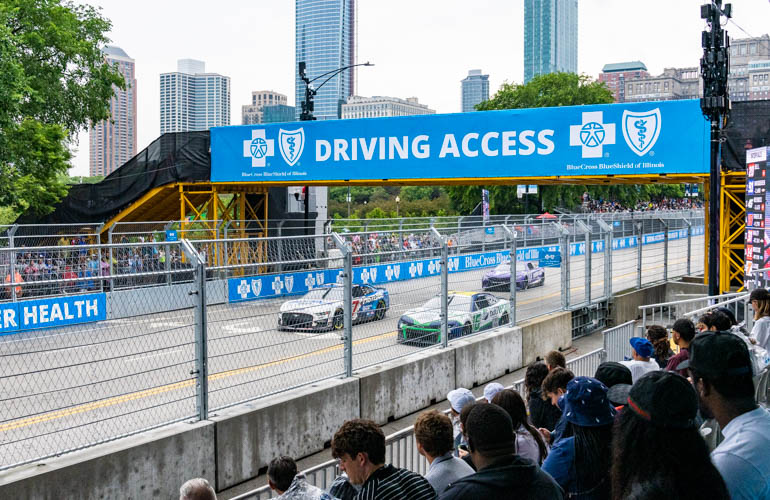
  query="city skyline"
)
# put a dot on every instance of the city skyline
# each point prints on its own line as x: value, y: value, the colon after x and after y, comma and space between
x: 193, y: 99
x: 426, y: 59
x: 550, y: 37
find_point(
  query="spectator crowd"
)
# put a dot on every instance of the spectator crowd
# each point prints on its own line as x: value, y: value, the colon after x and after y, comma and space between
x: 679, y: 418
x: 603, y: 206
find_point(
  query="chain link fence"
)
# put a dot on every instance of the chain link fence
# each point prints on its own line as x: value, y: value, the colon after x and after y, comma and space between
x: 169, y: 321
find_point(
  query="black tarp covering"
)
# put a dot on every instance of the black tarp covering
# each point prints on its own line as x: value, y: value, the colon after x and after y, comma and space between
x: 748, y: 127
x: 174, y: 157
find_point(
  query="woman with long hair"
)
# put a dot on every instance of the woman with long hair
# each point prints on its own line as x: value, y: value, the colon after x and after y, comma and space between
x: 580, y: 461
x: 529, y: 441
x: 760, y: 333
x: 541, y: 412
x: 656, y: 446
x: 658, y: 337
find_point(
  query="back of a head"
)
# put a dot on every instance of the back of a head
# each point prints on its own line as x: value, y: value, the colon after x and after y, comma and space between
x: 197, y: 489
x: 465, y: 412
x: 433, y: 430
x: 359, y: 436
x: 685, y: 328
x: 490, y: 431
x: 612, y: 373
x: 656, y: 332
x: 720, y: 321
x: 555, y: 359
x: 513, y: 404
x: 536, y: 373
x: 282, y: 471
x: 730, y: 316
x: 558, y: 378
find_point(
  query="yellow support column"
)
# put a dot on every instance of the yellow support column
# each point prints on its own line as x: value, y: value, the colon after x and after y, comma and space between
x: 732, y: 223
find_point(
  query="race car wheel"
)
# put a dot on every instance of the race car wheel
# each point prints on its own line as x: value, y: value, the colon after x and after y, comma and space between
x: 504, y: 319
x: 379, y: 312
x: 542, y: 281
x: 467, y: 329
x: 525, y: 284
x: 338, y: 322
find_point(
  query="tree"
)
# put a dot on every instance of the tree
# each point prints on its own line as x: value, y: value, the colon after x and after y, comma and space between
x: 554, y: 89
x: 54, y: 80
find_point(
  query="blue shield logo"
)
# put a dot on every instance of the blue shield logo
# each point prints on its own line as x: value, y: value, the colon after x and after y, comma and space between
x: 292, y: 142
x: 641, y: 130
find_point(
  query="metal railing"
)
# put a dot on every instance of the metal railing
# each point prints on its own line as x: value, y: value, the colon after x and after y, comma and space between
x: 196, y: 325
x: 667, y: 312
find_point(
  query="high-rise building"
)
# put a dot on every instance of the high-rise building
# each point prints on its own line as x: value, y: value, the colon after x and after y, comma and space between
x: 325, y: 42
x: 112, y: 142
x: 475, y: 89
x: 550, y: 37
x: 191, y: 99
x: 615, y: 76
x: 379, y: 106
x: 252, y: 113
x: 277, y: 113
x: 673, y: 83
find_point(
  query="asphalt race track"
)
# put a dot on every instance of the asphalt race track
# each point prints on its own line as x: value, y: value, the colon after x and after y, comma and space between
x: 71, y: 387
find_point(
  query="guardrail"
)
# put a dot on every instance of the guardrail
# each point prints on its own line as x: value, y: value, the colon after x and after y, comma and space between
x: 188, y: 326
x: 667, y: 312
x: 401, y: 448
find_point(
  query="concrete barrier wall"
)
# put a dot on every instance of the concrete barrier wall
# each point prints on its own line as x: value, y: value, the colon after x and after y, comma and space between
x: 545, y: 333
x: 397, y: 388
x: 295, y: 423
x: 487, y: 357
x: 151, y: 465
x: 158, y: 299
x: 625, y: 306
x: 236, y: 443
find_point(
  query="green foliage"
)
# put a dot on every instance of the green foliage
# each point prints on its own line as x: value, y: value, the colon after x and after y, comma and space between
x: 553, y: 89
x: 53, y: 81
x: 78, y: 179
x: 8, y: 216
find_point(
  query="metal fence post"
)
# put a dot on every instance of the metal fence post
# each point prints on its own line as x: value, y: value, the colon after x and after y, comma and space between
x: 639, y: 239
x: 689, y: 244
x: 607, y: 257
x: 665, y: 249
x: 112, y: 266
x: 226, y: 245
x: 444, y: 287
x: 201, y: 331
x: 564, y: 247
x: 279, y: 228
x: 11, y: 233
x: 512, y: 262
x: 347, y: 302
x: 587, y: 260
x: 167, y: 249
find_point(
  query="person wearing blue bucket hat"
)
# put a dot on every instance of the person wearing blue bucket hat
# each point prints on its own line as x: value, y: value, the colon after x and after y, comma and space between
x: 640, y: 363
x: 580, y: 461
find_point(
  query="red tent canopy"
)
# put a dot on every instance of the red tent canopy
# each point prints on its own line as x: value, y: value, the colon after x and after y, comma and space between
x: 546, y: 216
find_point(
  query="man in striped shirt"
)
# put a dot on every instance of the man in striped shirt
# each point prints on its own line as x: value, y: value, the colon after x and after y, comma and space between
x: 359, y: 445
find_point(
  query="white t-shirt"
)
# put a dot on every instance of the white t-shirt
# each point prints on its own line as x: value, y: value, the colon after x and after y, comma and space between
x: 761, y: 332
x: 640, y: 368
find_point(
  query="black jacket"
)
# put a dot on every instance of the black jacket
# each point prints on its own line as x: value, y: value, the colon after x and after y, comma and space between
x: 512, y: 477
x: 542, y: 413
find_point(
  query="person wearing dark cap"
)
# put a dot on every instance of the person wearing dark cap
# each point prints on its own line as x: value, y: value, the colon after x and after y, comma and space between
x: 656, y: 444
x: 720, y: 367
x: 618, y: 379
x: 760, y: 333
x: 501, y: 473
x: 640, y: 364
x: 580, y: 460
x: 683, y: 332
x: 542, y: 413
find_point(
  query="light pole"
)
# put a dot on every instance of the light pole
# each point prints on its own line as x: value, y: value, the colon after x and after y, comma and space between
x: 308, y: 107
x: 398, y: 200
x: 348, y: 201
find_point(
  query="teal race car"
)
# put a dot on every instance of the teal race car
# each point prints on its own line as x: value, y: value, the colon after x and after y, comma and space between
x: 468, y: 312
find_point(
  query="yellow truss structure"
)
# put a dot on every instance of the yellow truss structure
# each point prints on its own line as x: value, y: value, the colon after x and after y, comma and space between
x: 732, y: 226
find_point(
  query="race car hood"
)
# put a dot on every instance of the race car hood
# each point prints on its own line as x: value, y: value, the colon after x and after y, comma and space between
x: 310, y: 306
x: 423, y: 316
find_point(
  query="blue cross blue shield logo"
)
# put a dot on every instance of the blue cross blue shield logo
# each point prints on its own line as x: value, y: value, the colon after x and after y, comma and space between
x: 291, y: 144
x: 641, y: 130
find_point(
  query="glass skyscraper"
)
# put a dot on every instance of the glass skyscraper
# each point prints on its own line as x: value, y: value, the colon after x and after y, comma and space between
x: 550, y: 37
x: 325, y: 36
x: 475, y: 88
x: 191, y: 99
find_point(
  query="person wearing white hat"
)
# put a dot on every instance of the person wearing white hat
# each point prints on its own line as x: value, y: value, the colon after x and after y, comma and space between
x: 491, y: 389
x: 458, y: 398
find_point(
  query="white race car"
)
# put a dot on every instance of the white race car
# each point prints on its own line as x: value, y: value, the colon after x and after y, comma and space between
x: 322, y: 308
x: 468, y: 312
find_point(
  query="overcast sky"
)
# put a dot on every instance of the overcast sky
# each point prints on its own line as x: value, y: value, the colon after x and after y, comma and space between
x: 420, y: 48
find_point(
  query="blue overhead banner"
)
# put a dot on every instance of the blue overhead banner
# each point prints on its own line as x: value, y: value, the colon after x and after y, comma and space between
x: 609, y: 139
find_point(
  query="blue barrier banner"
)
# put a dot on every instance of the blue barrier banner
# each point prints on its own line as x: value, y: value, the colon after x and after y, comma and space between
x: 297, y: 283
x: 52, y: 312
x: 608, y: 139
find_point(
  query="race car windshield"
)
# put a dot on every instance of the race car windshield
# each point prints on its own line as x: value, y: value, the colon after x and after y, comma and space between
x: 505, y: 266
x: 460, y: 302
x: 325, y: 294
